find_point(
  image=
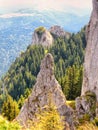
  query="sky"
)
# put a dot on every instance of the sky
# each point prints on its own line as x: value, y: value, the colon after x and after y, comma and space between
x: 78, y: 6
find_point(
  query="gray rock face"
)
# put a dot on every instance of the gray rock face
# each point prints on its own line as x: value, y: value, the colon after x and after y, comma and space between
x: 42, y: 36
x: 90, y: 78
x: 86, y: 105
x: 46, y: 89
x: 58, y: 31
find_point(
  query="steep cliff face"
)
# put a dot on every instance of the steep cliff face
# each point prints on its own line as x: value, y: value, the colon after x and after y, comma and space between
x: 90, y: 78
x: 46, y: 89
x: 87, y: 103
x: 42, y: 36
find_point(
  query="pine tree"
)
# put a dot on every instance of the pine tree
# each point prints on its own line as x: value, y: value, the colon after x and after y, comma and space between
x: 21, y: 101
x: 48, y: 120
x: 10, y: 108
x: 72, y: 82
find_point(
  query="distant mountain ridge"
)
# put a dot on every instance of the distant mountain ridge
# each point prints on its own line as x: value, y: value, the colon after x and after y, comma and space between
x: 62, y: 18
x: 16, y: 30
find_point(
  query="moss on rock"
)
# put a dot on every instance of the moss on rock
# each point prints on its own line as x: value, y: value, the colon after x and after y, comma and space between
x: 40, y: 30
x: 90, y: 94
x: 91, y: 99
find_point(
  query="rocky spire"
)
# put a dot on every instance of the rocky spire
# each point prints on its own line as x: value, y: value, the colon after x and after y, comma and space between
x: 46, y: 88
x: 90, y: 78
x: 87, y: 103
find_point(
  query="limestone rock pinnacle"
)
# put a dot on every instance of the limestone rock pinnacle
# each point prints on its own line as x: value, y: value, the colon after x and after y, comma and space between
x: 87, y: 103
x: 90, y: 78
x: 46, y: 88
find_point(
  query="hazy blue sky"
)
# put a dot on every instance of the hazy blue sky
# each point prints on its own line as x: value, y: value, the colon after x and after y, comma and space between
x: 78, y: 6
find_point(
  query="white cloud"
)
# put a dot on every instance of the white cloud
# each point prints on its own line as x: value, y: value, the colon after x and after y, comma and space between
x: 15, y: 15
x: 46, y: 4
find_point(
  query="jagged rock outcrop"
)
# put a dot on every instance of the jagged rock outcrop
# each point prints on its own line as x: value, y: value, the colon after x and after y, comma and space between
x: 90, y: 77
x: 42, y: 36
x: 46, y: 88
x: 86, y: 105
x: 58, y: 31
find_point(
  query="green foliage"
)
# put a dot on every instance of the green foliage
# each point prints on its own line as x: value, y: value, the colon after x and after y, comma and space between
x: 27, y: 93
x: 2, y: 99
x: 72, y: 82
x: 10, y: 108
x: 87, y: 126
x: 68, y: 53
x: 22, y: 73
x: 95, y: 121
x: 21, y: 101
x: 48, y: 120
x: 22, y: 98
x: 68, y: 57
x: 5, y: 125
x: 71, y: 104
x: 86, y: 117
x: 40, y: 31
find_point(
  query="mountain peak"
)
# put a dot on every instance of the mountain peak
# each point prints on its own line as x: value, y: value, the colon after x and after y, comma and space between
x: 42, y: 36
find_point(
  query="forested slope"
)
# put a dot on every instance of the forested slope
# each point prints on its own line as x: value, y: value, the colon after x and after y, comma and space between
x: 68, y: 56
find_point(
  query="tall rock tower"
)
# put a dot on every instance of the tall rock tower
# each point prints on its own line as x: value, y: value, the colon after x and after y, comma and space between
x: 88, y: 102
x: 46, y: 88
x: 90, y: 78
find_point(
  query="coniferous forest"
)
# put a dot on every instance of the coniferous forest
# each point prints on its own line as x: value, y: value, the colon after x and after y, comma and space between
x: 68, y: 56
x: 18, y: 82
x: 49, y: 65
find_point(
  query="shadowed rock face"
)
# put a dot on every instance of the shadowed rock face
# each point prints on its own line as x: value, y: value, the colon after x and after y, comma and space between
x: 46, y: 89
x: 90, y: 78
